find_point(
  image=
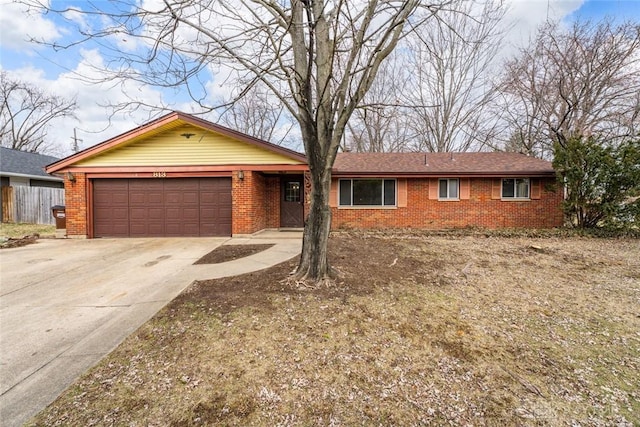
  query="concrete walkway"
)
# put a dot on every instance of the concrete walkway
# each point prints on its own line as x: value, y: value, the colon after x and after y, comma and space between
x: 65, y: 304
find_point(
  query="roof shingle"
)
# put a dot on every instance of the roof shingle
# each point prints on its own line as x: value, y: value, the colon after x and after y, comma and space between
x: 426, y: 164
x: 24, y: 163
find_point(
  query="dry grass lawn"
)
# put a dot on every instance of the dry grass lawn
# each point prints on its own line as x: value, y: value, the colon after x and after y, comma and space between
x: 421, y: 329
x: 20, y: 230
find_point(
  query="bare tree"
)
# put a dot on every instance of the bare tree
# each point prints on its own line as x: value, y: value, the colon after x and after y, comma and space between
x: 260, y: 115
x: 27, y: 112
x: 571, y: 82
x: 379, y: 123
x: 450, y: 89
x: 319, y: 58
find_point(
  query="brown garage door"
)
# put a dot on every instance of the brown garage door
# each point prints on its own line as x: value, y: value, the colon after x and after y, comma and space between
x: 162, y: 207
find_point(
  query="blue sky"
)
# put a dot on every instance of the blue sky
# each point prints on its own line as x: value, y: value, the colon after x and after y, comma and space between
x: 619, y: 9
x: 54, y: 71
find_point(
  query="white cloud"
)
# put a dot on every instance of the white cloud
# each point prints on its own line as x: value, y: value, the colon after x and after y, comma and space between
x: 18, y: 24
x: 93, y: 123
x: 76, y: 16
x: 525, y: 16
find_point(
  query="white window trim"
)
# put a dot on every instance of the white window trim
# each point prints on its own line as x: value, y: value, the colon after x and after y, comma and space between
x: 383, y: 206
x: 515, y: 198
x: 449, y: 199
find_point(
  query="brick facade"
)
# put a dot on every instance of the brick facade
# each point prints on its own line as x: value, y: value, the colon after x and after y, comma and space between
x: 256, y: 206
x: 479, y: 210
x: 76, y: 203
x: 256, y: 202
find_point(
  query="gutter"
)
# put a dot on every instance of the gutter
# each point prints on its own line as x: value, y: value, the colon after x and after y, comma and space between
x: 41, y: 177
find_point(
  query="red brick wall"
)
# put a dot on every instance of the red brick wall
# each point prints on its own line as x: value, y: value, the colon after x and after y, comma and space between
x: 272, y: 201
x: 256, y: 205
x: 256, y: 202
x: 480, y: 210
x: 76, y: 205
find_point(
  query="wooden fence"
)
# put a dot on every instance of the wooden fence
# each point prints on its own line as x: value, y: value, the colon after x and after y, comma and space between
x: 30, y: 204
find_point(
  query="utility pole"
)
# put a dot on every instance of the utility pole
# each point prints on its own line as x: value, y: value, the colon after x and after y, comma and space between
x: 75, y: 139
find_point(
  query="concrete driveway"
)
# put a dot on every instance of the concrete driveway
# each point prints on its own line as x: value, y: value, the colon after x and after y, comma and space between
x: 64, y: 304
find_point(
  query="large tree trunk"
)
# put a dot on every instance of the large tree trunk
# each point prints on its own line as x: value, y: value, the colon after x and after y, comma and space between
x: 314, y: 263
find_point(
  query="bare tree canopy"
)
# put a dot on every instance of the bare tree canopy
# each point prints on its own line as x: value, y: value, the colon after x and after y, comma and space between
x: 434, y: 92
x: 450, y: 89
x: 26, y: 113
x: 319, y: 58
x: 379, y: 124
x: 260, y: 115
x: 571, y: 82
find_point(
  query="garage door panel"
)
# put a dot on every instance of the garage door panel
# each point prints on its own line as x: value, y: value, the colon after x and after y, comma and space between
x: 191, y: 198
x: 162, y: 207
x: 116, y: 213
x: 146, y: 184
x: 155, y: 198
x: 155, y: 214
x: 173, y: 198
x: 156, y: 230
x: 111, y: 208
x: 120, y: 199
x: 185, y: 229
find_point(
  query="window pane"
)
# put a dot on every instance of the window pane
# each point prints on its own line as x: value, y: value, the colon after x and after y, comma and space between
x: 508, y: 189
x: 443, y: 192
x: 522, y: 188
x: 292, y: 191
x: 345, y: 192
x: 453, y: 188
x: 389, y: 192
x: 367, y: 192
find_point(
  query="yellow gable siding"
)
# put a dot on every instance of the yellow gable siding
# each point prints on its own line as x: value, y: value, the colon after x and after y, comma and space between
x: 170, y: 149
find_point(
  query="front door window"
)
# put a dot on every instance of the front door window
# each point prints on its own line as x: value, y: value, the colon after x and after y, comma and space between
x: 292, y: 191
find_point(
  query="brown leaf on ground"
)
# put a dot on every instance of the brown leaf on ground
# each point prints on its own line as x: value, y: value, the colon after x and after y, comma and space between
x: 419, y: 329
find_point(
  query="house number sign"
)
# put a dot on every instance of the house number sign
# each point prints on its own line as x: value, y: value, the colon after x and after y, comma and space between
x: 159, y: 174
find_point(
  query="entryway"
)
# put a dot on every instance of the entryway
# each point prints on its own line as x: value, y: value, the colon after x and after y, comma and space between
x: 292, y: 201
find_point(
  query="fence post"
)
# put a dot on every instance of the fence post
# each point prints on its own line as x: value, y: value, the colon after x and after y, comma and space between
x: 7, y: 204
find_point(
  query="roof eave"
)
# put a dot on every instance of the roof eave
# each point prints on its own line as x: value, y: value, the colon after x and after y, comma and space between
x: 40, y: 177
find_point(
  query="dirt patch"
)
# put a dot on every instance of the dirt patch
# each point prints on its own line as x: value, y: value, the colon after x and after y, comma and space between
x: 18, y: 242
x: 418, y: 330
x: 226, y: 253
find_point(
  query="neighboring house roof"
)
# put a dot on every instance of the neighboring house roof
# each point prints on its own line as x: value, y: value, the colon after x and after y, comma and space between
x: 495, y: 164
x: 166, y: 123
x: 25, y: 164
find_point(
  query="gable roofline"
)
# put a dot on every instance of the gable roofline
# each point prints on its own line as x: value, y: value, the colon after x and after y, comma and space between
x: 163, y: 121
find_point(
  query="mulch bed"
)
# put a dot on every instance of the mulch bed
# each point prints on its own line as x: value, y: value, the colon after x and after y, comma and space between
x: 226, y: 253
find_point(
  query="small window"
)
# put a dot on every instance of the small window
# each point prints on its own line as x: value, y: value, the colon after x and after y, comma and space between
x: 345, y: 192
x: 367, y: 192
x: 448, y: 189
x: 292, y: 191
x: 515, y: 188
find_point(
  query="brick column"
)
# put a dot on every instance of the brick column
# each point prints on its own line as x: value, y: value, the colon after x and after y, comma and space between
x: 76, y: 205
